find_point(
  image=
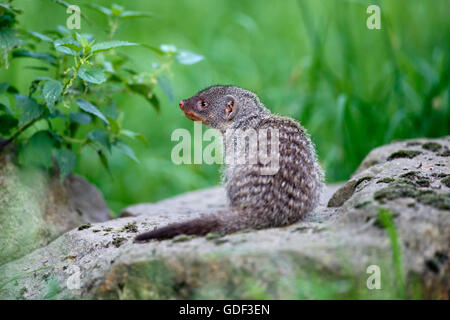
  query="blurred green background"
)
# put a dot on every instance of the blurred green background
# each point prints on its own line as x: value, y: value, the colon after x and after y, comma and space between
x: 351, y: 87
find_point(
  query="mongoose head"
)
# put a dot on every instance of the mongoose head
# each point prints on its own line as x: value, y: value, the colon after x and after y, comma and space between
x: 220, y: 106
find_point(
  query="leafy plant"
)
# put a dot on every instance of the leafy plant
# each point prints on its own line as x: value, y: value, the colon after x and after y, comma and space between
x: 79, y: 76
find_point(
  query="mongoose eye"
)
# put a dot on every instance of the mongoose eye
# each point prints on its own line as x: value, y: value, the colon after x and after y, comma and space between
x: 202, y: 104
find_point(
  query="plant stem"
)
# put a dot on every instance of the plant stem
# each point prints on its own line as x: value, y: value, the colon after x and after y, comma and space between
x: 5, y: 143
x: 72, y: 140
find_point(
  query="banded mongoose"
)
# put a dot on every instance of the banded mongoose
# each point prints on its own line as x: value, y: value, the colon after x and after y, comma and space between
x: 257, y: 200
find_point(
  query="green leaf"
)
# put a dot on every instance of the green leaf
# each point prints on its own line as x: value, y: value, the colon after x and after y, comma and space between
x: 82, y: 40
x: 92, y: 74
x: 4, y: 104
x: 116, y: 9
x: 147, y: 92
x: 66, y: 161
x: 134, y: 14
x: 80, y: 117
x: 40, y: 36
x: 111, y: 111
x: 104, y: 46
x: 46, y: 57
x: 90, y: 108
x: 67, y: 46
x: 134, y: 135
x: 57, y: 114
x: 100, y: 136
x: 35, y: 84
x: 168, y: 48
x: 38, y: 150
x: 62, y: 31
x: 187, y: 57
x: 115, y: 126
x: 37, y: 68
x: 126, y: 150
x: 166, y: 86
x: 3, y: 87
x: 12, y: 89
x: 154, y: 49
x: 103, y: 160
x: 31, y: 110
x: 7, y: 123
x: 9, y: 8
x: 8, y: 39
x: 155, y: 102
x: 51, y: 92
x: 101, y: 9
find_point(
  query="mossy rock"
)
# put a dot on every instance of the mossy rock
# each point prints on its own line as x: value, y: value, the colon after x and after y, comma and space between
x: 326, y: 255
x: 36, y: 208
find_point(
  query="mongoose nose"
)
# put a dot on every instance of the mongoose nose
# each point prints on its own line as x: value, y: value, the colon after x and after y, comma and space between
x: 181, y: 104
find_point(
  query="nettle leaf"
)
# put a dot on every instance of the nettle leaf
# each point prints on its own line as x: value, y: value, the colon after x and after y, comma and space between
x: 92, y: 74
x: 51, y: 92
x: 35, y: 84
x: 38, y: 150
x: 104, y: 160
x: 134, y: 14
x: 126, y: 150
x: 62, y: 31
x: 31, y: 110
x: 67, y: 46
x: 155, y: 102
x: 4, y: 104
x: 116, y: 9
x: 166, y: 86
x: 8, y: 39
x: 40, y: 36
x: 82, y: 40
x: 154, y: 49
x: 134, y: 135
x: 7, y: 123
x: 168, y: 48
x: 101, y: 9
x: 104, y: 46
x: 111, y: 111
x: 12, y: 89
x: 36, y: 68
x: 66, y: 161
x: 46, y: 57
x: 90, y: 108
x: 100, y: 136
x: 188, y: 57
x: 114, y: 125
x: 57, y: 114
x: 80, y: 117
x: 146, y: 91
x: 3, y: 87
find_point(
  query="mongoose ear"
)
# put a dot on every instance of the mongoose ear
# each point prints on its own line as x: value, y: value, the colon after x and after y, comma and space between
x: 231, y: 107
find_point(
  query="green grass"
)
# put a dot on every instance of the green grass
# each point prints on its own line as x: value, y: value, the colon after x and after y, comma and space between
x: 386, y: 219
x: 352, y: 88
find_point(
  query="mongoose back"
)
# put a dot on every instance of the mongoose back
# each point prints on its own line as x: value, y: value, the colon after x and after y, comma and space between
x: 257, y: 199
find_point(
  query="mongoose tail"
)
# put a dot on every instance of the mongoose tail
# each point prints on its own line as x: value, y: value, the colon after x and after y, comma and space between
x: 198, y: 227
x: 223, y: 222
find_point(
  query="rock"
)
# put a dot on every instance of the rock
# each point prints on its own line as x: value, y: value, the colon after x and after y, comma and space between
x: 392, y: 216
x: 208, y: 201
x: 36, y: 209
x: 86, y: 199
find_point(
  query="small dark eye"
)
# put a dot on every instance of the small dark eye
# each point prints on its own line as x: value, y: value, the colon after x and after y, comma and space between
x: 202, y: 104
